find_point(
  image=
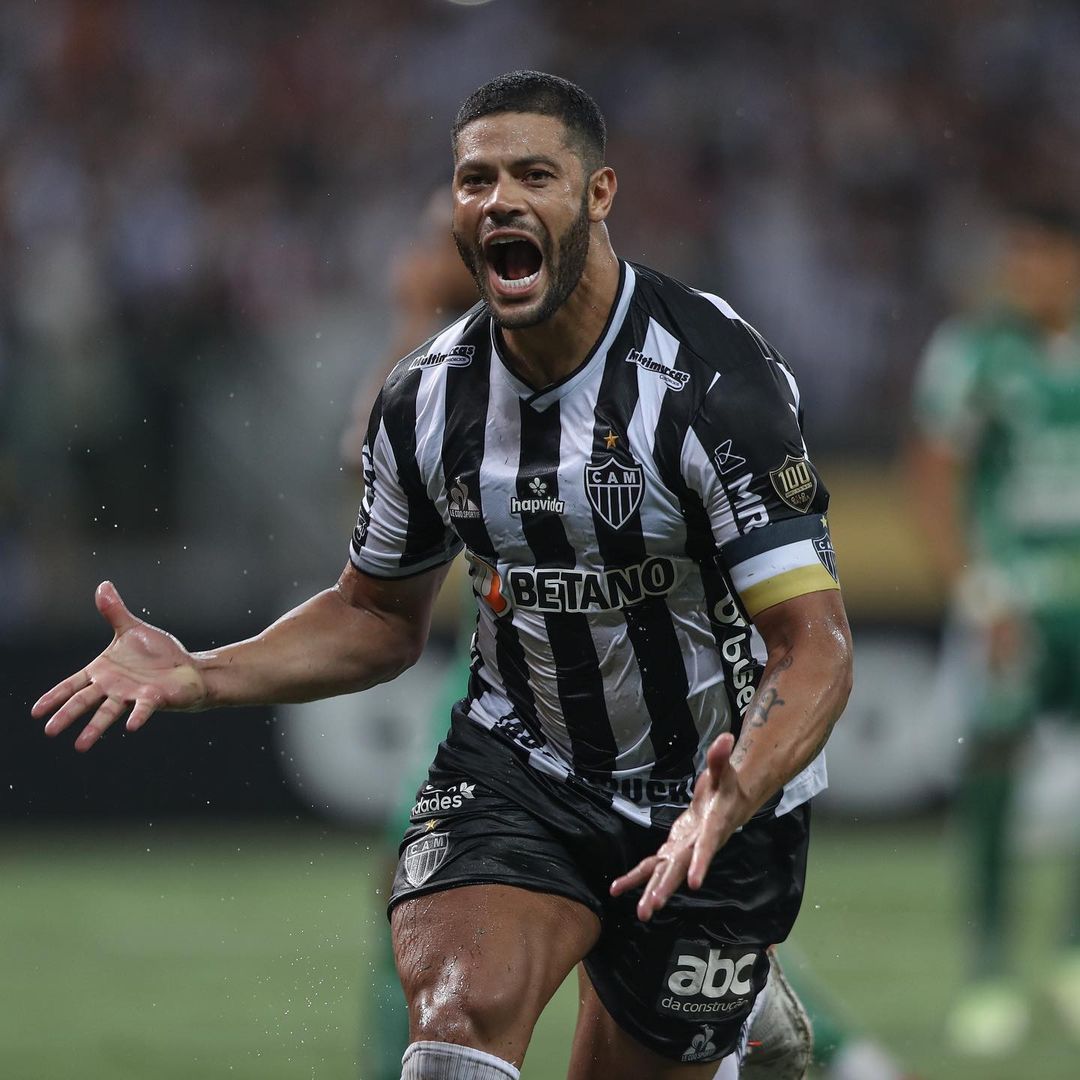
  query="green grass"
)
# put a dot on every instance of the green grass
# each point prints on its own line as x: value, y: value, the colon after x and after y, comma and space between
x: 242, y: 951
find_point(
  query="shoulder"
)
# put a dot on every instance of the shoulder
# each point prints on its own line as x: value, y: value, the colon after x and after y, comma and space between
x: 704, y: 324
x: 462, y: 344
x: 972, y: 347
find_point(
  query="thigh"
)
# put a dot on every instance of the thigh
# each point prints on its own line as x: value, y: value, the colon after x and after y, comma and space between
x: 479, y: 963
x: 684, y: 983
x: 602, y: 1049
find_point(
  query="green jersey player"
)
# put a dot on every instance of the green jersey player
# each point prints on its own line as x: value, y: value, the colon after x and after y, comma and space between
x: 998, y: 410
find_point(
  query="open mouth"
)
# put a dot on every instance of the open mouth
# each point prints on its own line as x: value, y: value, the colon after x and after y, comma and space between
x: 515, y: 262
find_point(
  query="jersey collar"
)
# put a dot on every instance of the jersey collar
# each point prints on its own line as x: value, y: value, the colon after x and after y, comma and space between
x: 541, y: 399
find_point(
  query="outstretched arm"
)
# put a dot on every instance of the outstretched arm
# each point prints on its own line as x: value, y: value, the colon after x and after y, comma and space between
x: 803, y: 690
x: 361, y: 632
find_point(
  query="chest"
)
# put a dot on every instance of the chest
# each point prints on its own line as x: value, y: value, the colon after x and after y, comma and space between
x: 569, y: 484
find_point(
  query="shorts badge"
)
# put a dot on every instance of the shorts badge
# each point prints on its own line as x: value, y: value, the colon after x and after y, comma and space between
x: 424, y: 856
x: 795, y: 483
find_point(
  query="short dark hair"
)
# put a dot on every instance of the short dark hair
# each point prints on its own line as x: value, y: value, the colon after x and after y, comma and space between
x: 547, y: 95
x: 1053, y: 215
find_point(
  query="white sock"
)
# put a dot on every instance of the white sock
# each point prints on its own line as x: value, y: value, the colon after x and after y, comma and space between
x: 729, y: 1068
x: 448, y: 1061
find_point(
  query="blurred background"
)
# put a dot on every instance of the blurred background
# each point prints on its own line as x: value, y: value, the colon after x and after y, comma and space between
x: 201, y: 205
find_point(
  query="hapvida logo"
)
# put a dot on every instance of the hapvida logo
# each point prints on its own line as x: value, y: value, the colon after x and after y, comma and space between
x: 537, y: 500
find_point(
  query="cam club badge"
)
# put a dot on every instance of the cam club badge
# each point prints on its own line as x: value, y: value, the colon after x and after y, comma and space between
x: 614, y: 490
x: 424, y: 856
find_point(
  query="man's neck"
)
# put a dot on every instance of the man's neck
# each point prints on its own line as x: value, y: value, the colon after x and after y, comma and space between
x: 544, y: 354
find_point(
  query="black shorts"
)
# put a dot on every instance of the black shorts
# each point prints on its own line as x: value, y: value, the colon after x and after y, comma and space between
x: 683, y: 983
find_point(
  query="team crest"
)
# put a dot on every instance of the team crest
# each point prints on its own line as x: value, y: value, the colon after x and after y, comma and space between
x: 614, y: 490
x: 827, y: 554
x: 795, y: 483
x: 424, y: 856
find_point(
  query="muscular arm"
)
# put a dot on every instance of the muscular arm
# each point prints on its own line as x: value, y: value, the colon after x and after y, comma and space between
x: 804, y: 688
x: 803, y: 691
x: 361, y: 632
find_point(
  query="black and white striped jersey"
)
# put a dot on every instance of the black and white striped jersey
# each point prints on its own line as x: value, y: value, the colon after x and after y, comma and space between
x: 622, y: 527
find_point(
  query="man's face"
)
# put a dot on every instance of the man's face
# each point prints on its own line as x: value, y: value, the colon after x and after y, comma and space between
x: 1041, y: 270
x: 521, y: 219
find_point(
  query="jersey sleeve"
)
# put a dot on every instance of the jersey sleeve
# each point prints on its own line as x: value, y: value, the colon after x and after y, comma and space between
x: 746, y: 459
x: 399, y: 529
x: 944, y: 404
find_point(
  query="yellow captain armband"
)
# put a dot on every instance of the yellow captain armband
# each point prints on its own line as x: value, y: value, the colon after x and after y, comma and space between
x: 782, y: 561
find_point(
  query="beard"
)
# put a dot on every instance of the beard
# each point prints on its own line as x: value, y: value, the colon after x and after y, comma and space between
x: 564, y: 269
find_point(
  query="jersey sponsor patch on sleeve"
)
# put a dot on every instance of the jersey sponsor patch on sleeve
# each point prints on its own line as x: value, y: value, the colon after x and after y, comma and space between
x: 781, y: 561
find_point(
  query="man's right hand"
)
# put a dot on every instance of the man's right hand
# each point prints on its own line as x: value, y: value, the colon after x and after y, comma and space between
x: 143, y: 669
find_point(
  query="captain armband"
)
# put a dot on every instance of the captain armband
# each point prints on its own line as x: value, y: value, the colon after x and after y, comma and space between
x: 781, y: 561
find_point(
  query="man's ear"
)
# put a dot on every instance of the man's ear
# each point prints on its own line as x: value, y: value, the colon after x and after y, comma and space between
x: 602, y: 187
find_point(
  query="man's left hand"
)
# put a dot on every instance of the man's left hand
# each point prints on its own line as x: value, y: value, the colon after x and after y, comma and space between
x: 717, y: 809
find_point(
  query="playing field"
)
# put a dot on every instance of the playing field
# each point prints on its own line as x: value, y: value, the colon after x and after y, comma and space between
x: 240, y: 952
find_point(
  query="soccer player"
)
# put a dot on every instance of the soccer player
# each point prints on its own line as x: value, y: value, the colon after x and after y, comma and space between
x: 661, y: 649
x: 998, y: 410
x: 430, y: 284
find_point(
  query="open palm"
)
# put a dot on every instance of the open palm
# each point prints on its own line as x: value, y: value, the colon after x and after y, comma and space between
x: 695, y: 837
x: 143, y: 669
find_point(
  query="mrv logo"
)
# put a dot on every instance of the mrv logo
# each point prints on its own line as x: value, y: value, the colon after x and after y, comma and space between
x: 589, y: 590
x: 434, y: 801
x: 708, y: 983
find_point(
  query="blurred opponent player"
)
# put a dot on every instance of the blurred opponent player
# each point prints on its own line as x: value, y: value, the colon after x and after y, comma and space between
x: 661, y: 649
x: 997, y: 471
x: 430, y: 288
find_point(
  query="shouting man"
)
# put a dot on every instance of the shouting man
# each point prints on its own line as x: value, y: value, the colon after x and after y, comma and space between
x: 660, y: 647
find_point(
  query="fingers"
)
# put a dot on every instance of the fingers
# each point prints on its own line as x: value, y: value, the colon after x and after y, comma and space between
x: 663, y: 873
x: 59, y: 694
x: 79, y: 703
x: 140, y: 714
x: 719, y: 753
x: 112, y: 607
x: 668, y: 874
x: 705, y: 848
x: 106, y: 715
x: 633, y: 878
x: 108, y: 710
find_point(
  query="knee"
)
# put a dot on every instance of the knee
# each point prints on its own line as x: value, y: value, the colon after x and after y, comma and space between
x: 453, y: 1003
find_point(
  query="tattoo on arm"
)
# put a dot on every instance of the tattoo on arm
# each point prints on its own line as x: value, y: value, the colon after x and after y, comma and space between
x: 758, y: 714
x: 766, y: 699
x: 767, y: 696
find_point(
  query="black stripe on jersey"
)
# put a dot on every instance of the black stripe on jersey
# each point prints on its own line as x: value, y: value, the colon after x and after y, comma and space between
x: 577, y: 667
x: 649, y: 624
x: 425, y: 521
x: 728, y: 621
x: 363, y: 517
x: 466, y: 409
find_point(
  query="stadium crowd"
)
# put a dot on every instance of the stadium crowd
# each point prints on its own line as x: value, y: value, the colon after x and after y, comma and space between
x: 180, y: 182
